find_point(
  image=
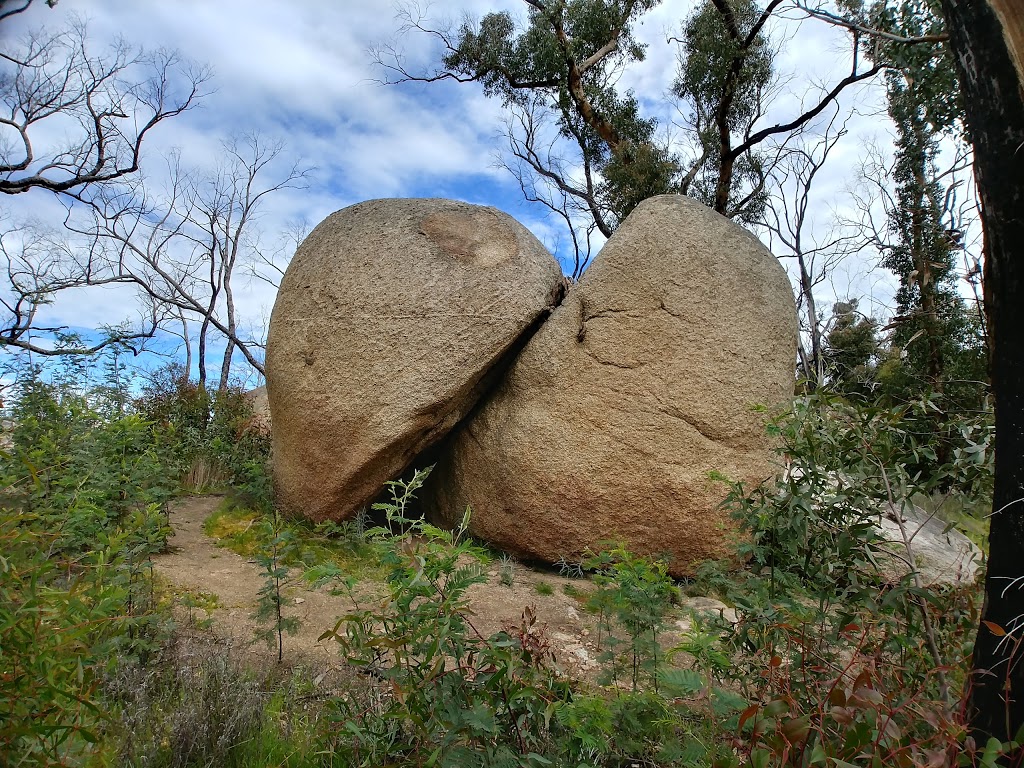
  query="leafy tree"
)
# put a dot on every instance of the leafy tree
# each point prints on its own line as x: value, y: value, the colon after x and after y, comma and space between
x: 726, y: 66
x: 933, y: 332
x: 852, y: 349
x: 562, y: 64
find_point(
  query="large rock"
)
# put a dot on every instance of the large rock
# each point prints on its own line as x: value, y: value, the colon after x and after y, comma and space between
x: 260, y: 420
x: 638, y: 387
x: 386, y: 326
x: 943, y: 556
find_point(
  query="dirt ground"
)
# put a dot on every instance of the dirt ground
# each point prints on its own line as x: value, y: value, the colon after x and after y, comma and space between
x: 195, y: 565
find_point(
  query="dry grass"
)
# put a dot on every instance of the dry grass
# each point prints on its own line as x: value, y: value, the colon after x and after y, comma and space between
x: 205, y: 475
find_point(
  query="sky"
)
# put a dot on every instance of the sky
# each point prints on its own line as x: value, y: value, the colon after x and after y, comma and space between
x: 300, y: 72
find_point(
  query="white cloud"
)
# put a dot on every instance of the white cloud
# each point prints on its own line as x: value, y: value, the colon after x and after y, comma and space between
x: 300, y: 72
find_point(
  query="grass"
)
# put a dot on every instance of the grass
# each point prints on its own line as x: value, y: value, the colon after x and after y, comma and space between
x: 241, y: 530
x: 575, y: 593
x: 198, y: 705
x: 543, y: 588
x: 234, y: 527
x: 205, y: 475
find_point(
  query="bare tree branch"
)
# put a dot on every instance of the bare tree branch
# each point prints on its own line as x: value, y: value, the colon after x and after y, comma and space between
x: 115, y: 99
x: 817, y: 12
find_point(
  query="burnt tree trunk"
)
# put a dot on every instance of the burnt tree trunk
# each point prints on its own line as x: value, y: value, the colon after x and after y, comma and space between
x: 984, y: 35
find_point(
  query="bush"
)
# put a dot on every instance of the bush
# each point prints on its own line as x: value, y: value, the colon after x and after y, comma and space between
x: 80, y: 515
x: 448, y: 696
x: 216, y: 440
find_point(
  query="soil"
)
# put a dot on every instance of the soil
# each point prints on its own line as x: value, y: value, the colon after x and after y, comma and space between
x: 229, y: 584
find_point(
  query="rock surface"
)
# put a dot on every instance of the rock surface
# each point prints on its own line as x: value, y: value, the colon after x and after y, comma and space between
x: 942, y: 557
x: 260, y: 409
x: 388, y: 322
x: 636, y: 388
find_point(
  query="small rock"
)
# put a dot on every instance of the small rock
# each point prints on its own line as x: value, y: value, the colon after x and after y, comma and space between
x: 703, y: 605
x: 299, y: 600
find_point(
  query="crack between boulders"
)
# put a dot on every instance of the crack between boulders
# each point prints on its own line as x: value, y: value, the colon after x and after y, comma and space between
x: 491, y: 380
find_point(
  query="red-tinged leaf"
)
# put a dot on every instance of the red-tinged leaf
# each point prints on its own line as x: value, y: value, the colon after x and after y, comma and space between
x: 796, y: 731
x: 837, y: 698
x: 776, y: 661
x: 841, y: 715
x: 748, y: 713
x: 994, y: 628
x: 863, y: 681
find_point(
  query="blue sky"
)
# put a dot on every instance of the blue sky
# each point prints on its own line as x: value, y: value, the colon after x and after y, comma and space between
x: 299, y: 72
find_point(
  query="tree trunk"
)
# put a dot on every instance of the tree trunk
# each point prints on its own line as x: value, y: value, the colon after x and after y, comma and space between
x: 229, y: 349
x: 813, y: 370
x: 982, y: 35
x: 203, y: 330
x: 188, y: 344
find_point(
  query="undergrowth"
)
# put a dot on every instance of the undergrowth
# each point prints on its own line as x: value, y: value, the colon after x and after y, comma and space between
x: 835, y: 658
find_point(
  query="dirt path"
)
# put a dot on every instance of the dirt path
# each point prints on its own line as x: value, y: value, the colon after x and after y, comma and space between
x: 195, y: 565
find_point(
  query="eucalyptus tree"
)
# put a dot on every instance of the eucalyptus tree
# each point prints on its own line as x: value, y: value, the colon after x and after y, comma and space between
x: 925, y: 232
x: 560, y: 67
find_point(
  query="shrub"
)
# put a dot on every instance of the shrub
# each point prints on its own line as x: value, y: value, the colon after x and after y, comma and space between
x: 449, y: 696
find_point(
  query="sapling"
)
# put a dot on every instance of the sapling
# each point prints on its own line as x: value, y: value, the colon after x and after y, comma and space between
x: 269, y: 612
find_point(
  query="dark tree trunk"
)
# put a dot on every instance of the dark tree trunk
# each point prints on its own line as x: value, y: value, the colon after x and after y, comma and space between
x: 993, y: 91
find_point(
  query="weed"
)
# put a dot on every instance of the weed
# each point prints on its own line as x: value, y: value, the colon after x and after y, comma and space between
x: 569, y: 569
x: 507, y: 571
x: 543, y: 588
x: 447, y: 692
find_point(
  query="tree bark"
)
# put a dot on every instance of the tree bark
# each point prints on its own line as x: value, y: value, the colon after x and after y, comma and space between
x: 983, y: 34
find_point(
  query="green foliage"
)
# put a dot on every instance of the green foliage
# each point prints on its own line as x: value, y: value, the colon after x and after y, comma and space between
x: 852, y: 349
x: 215, y: 437
x: 52, y: 629
x: 938, y: 345
x: 565, y: 61
x: 717, y: 74
x: 833, y: 659
x: 80, y: 517
x: 505, y: 58
x: 838, y: 659
x: 847, y: 464
x: 455, y: 698
x: 632, y: 595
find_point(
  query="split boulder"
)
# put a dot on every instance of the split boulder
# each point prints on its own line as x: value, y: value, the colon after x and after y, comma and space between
x: 638, y: 387
x: 389, y: 323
